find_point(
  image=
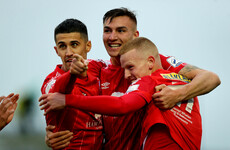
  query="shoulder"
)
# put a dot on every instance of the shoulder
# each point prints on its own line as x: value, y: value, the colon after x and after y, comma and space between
x: 98, y: 62
x: 51, y: 78
x: 171, y: 63
x: 143, y: 83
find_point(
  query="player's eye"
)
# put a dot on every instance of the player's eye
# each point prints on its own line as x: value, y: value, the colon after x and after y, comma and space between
x: 107, y: 30
x: 62, y: 46
x: 121, y: 30
x: 130, y: 67
x: 74, y: 44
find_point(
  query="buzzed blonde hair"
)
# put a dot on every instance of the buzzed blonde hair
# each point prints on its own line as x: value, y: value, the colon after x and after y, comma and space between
x: 142, y: 45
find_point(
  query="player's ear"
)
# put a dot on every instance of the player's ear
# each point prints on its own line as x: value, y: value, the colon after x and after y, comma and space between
x: 55, y: 47
x: 151, y: 62
x: 136, y: 34
x: 88, y: 46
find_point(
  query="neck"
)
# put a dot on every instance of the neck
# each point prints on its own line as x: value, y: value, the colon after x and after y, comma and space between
x: 115, y: 61
x: 63, y: 68
x: 156, y: 68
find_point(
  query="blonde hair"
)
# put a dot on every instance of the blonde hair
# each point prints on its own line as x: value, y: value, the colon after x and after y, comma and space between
x: 141, y: 45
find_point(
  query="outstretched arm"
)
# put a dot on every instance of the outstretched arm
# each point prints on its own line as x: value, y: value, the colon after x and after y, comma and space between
x: 203, y: 82
x: 108, y: 105
x: 65, y: 83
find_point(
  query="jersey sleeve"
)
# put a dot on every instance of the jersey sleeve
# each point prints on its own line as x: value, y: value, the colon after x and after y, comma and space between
x: 108, y: 105
x: 95, y: 67
x: 64, y: 83
x: 136, y: 97
x: 144, y: 86
x: 43, y: 89
x: 48, y: 82
x: 171, y: 63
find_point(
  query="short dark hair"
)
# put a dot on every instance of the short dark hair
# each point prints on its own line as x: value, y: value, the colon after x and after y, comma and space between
x: 72, y: 25
x: 119, y: 12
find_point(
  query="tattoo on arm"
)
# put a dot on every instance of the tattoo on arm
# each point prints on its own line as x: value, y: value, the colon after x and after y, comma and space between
x: 187, y: 71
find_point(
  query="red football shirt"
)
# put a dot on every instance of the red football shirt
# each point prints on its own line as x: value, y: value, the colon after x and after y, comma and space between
x: 86, y: 126
x: 123, y: 132
x: 183, y: 120
x: 113, y: 83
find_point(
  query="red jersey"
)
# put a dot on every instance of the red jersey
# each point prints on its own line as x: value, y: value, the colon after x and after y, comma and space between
x: 86, y: 126
x: 183, y: 120
x: 182, y: 123
x: 122, y: 132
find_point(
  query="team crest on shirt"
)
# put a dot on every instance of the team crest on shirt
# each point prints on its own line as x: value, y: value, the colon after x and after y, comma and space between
x: 105, y: 85
x: 174, y: 62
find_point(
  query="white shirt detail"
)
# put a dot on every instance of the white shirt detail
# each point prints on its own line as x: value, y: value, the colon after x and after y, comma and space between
x: 132, y: 88
x: 117, y: 94
x: 105, y: 85
x: 49, y: 85
x: 174, y: 62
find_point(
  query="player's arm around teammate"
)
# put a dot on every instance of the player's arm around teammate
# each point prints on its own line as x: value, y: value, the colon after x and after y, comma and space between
x: 203, y: 81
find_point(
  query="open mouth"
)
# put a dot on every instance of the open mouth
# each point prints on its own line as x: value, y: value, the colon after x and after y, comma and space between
x: 69, y: 60
x: 114, y: 45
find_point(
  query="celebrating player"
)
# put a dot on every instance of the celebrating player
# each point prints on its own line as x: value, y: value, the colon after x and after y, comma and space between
x: 120, y: 26
x: 72, y: 42
x: 180, y: 127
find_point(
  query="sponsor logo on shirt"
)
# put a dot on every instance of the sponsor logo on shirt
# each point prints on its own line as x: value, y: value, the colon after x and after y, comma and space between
x: 174, y: 62
x: 97, y: 116
x: 175, y: 76
x: 95, y: 123
x: 91, y: 124
x: 105, y: 85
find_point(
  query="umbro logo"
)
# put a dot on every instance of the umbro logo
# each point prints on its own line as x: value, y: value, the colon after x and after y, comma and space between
x: 105, y: 85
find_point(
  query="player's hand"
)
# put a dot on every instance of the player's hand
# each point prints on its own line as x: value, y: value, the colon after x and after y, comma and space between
x: 52, y: 101
x: 79, y: 65
x: 57, y: 140
x: 165, y: 97
x: 8, y: 106
x: 12, y: 108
